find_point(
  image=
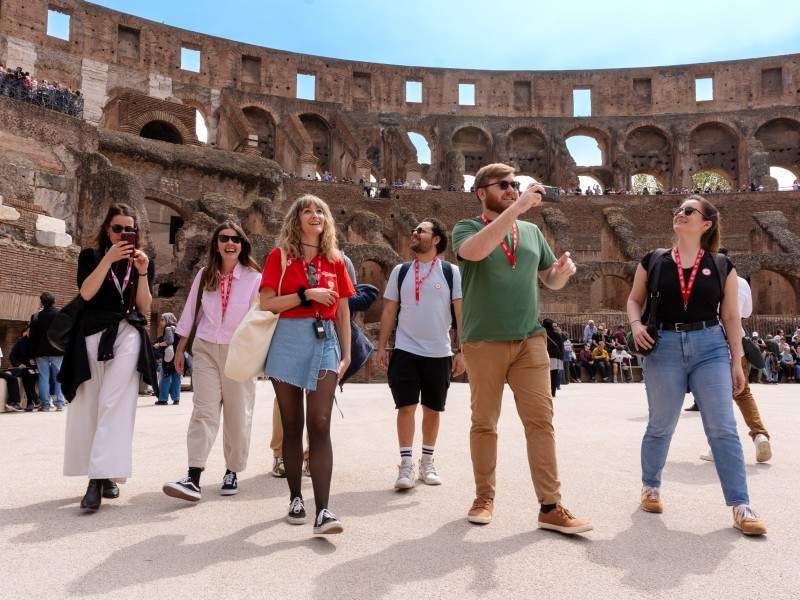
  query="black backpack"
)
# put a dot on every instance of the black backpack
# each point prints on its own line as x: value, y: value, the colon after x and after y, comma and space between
x: 447, y: 269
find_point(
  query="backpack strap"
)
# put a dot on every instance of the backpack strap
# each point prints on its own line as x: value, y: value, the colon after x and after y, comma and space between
x: 401, y: 275
x: 720, y: 262
x: 447, y: 269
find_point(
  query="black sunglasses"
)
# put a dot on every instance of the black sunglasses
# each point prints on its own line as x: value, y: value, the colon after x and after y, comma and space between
x: 689, y: 211
x: 121, y: 228
x: 312, y: 275
x: 504, y: 185
x: 420, y: 231
x: 236, y: 239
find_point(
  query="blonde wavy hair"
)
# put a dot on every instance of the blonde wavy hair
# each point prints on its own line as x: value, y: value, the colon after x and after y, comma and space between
x: 289, y: 239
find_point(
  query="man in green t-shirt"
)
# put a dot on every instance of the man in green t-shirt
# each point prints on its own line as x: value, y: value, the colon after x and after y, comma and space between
x: 500, y: 259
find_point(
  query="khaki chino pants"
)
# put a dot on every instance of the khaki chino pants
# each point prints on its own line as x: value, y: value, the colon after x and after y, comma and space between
x: 747, y: 406
x: 213, y: 392
x: 526, y: 367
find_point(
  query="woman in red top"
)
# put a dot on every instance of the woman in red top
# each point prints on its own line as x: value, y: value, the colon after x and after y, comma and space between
x: 306, y: 282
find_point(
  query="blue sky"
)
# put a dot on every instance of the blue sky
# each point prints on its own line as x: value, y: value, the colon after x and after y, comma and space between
x: 516, y: 34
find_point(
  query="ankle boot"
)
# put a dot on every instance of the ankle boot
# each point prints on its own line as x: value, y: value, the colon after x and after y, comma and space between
x: 110, y: 489
x: 91, y: 500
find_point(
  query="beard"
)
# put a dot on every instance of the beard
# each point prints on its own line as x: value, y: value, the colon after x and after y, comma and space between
x: 497, y: 205
x: 420, y: 246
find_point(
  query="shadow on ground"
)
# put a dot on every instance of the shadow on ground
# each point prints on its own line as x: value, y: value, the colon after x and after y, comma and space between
x: 166, y: 556
x: 652, y: 557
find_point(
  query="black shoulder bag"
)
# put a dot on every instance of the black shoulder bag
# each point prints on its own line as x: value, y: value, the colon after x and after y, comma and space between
x: 650, y: 314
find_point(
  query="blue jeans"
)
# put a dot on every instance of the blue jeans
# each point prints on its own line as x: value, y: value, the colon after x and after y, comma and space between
x: 168, y: 385
x: 46, y: 364
x: 699, y: 360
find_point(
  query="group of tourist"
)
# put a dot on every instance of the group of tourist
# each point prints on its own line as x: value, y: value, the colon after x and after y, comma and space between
x: 491, y: 300
x: 36, y: 362
x: 20, y: 85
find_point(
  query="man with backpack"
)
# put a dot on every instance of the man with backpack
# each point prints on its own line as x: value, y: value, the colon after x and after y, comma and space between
x: 426, y: 293
x: 48, y: 358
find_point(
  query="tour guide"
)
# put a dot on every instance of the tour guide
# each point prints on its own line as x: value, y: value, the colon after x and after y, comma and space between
x: 500, y: 258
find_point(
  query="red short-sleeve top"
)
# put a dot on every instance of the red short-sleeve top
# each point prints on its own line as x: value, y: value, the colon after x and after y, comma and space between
x: 330, y: 274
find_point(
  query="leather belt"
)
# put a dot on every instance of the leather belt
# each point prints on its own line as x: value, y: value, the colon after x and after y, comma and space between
x: 689, y: 326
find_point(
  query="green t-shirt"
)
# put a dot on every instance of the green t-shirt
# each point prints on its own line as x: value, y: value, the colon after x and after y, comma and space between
x: 501, y: 303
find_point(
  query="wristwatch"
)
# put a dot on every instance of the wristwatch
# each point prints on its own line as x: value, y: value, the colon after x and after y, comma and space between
x: 305, y: 302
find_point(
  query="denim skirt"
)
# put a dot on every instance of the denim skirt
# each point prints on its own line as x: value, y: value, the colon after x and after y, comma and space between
x: 296, y: 355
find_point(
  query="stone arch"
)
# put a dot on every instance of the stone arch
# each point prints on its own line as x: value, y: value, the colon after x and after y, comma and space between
x: 528, y: 152
x: 319, y: 130
x: 161, y: 116
x: 208, y: 115
x: 773, y: 293
x: 714, y: 146
x: 600, y: 135
x: 475, y: 144
x: 781, y: 138
x: 262, y: 124
x: 649, y: 150
x: 162, y: 131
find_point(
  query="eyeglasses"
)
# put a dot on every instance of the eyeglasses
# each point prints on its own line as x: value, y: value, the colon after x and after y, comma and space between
x: 420, y: 231
x: 504, y: 184
x: 312, y: 275
x: 689, y: 211
x: 236, y: 239
x: 121, y: 228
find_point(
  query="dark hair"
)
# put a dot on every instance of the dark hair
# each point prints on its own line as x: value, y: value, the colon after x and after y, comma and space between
x: 440, y: 230
x: 723, y: 251
x: 47, y: 299
x: 102, y: 240
x: 710, y: 240
x: 210, y: 280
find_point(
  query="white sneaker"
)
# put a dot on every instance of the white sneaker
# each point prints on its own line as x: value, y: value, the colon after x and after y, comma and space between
x: 405, y: 475
x: 427, y: 472
x: 709, y: 457
x: 763, y: 449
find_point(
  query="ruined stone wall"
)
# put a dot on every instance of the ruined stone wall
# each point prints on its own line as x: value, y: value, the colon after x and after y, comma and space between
x: 646, y: 120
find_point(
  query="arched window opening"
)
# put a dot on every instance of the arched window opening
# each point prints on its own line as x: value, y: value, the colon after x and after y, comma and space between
x: 709, y: 182
x: 163, y: 131
x: 585, y: 151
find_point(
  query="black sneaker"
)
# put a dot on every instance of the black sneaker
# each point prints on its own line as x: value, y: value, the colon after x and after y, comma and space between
x: 229, y: 484
x: 297, y: 511
x: 185, y: 489
x: 327, y: 523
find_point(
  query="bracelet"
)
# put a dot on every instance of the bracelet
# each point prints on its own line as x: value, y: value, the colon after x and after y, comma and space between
x: 636, y: 321
x: 142, y: 274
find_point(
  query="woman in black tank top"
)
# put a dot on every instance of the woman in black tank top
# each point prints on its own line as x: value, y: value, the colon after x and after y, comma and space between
x: 695, y: 289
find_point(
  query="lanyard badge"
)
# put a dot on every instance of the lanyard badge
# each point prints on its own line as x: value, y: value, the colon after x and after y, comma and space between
x: 419, y: 281
x: 686, y: 289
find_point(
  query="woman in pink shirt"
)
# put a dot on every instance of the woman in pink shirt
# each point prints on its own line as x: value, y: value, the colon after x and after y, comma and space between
x: 230, y: 282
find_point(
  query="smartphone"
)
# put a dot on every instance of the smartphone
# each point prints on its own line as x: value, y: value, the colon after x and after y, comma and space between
x: 129, y: 237
x: 551, y: 193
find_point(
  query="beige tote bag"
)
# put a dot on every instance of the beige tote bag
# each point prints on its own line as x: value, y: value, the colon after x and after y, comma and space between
x: 247, y: 351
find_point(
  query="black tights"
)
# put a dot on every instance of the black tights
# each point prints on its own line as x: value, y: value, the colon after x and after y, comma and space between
x: 318, y: 420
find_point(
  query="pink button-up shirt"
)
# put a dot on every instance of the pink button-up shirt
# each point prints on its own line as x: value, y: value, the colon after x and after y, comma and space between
x: 212, y: 327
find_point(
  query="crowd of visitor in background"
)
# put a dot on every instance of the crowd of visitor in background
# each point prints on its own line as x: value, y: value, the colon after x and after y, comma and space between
x: 20, y: 85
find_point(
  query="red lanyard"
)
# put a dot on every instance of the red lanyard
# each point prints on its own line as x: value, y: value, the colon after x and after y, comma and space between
x: 686, y: 290
x: 125, y: 281
x: 417, y: 281
x: 225, y: 287
x: 511, y: 254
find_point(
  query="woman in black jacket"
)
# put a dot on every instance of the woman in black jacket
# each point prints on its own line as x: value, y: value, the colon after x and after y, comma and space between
x: 555, y: 350
x: 107, y: 351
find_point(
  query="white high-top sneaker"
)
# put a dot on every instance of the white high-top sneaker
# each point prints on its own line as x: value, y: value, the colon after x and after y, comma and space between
x: 763, y: 448
x: 405, y: 475
x: 427, y: 472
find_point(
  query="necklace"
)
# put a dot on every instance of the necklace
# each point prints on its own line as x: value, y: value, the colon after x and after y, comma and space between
x: 310, y: 245
x: 418, y: 281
